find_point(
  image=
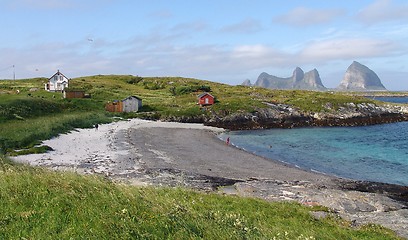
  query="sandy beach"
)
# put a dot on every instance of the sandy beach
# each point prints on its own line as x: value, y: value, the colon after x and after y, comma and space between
x: 144, y: 152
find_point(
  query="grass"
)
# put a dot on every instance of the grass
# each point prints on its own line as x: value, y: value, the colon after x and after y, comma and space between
x: 42, y: 204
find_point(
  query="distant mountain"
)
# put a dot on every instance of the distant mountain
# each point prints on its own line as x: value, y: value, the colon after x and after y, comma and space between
x: 247, y: 83
x: 311, y: 80
x: 299, y: 80
x: 360, y: 78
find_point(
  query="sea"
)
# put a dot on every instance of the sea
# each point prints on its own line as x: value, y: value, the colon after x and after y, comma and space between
x: 372, y: 153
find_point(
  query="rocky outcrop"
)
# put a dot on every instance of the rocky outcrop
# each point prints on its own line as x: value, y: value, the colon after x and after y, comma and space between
x: 360, y: 78
x: 277, y: 115
x: 359, y: 202
x: 247, y: 83
x: 285, y: 116
x: 311, y: 80
x: 357, y: 78
x: 299, y: 80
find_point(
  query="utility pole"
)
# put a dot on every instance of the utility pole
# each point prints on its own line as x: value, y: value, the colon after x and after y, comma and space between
x: 14, y: 72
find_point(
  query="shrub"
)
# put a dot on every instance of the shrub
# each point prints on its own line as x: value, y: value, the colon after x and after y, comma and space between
x: 134, y: 80
x: 181, y: 90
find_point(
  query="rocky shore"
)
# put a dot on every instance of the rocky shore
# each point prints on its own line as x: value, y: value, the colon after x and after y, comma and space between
x: 190, y: 155
x: 286, y: 116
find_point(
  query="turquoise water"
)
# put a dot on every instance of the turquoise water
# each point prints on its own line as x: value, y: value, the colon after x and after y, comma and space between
x: 374, y: 153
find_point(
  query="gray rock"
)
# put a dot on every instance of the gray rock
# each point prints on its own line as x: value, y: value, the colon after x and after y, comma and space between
x: 310, y: 81
x: 247, y: 82
x: 357, y: 207
x: 360, y: 78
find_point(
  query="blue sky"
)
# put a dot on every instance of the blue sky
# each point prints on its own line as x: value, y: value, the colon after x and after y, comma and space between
x: 225, y: 41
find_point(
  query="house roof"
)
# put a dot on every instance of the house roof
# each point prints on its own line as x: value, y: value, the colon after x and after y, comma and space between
x: 58, y: 72
x: 203, y: 94
x: 138, y: 98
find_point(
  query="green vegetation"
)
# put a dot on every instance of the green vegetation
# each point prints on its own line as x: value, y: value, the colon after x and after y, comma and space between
x: 42, y: 204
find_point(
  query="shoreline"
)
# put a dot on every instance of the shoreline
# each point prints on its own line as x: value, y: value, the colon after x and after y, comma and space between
x: 144, y: 152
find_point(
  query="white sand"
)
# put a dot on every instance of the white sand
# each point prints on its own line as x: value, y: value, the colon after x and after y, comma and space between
x: 97, y: 146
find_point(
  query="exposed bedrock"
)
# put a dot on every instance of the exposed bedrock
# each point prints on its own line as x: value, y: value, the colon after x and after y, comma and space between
x: 284, y: 116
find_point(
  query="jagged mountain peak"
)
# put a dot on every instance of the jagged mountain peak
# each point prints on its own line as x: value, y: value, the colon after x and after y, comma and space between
x: 247, y: 82
x: 358, y: 77
x: 299, y: 80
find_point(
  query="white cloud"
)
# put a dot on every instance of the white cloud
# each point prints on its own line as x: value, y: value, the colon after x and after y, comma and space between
x: 157, y: 55
x: 347, y: 48
x: 302, y: 16
x: 383, y: 10
x: 246, y: 26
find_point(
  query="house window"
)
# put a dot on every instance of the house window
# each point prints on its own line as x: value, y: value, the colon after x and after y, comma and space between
x: 206, y: 101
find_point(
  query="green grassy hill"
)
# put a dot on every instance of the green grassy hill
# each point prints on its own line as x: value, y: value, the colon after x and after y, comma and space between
x: 40, y: 204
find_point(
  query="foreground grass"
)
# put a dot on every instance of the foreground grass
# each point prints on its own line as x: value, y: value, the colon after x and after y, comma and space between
x: 40, y: 204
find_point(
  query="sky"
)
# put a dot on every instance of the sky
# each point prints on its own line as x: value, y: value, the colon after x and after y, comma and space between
x: 225, y: 41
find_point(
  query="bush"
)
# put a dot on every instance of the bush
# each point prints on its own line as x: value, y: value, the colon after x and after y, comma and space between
x: 181, y: 90
x: 153, y: 85
x: 134, y: 80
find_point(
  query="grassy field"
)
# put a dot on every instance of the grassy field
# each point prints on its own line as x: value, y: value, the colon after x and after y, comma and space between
x: 42, y: 204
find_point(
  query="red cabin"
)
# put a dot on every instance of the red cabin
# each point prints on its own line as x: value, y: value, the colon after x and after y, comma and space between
x: 205, y: 99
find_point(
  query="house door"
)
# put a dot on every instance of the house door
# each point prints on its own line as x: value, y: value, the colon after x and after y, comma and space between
x: 206, y: 101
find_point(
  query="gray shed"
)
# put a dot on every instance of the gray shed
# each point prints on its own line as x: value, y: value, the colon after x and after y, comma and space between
x: 132, y: 104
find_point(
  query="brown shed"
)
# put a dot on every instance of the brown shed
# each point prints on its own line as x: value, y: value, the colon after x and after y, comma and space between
x: 129, y: 104
x: 73, y: 93
x: 115, y: 106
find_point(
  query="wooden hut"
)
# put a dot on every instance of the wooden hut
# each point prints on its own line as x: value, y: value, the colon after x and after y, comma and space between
x: 129, y: 104
x: 68, y: 93
x: 205, y: 99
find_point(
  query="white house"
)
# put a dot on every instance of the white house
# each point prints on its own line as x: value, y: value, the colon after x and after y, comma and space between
x: 58, y: 82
